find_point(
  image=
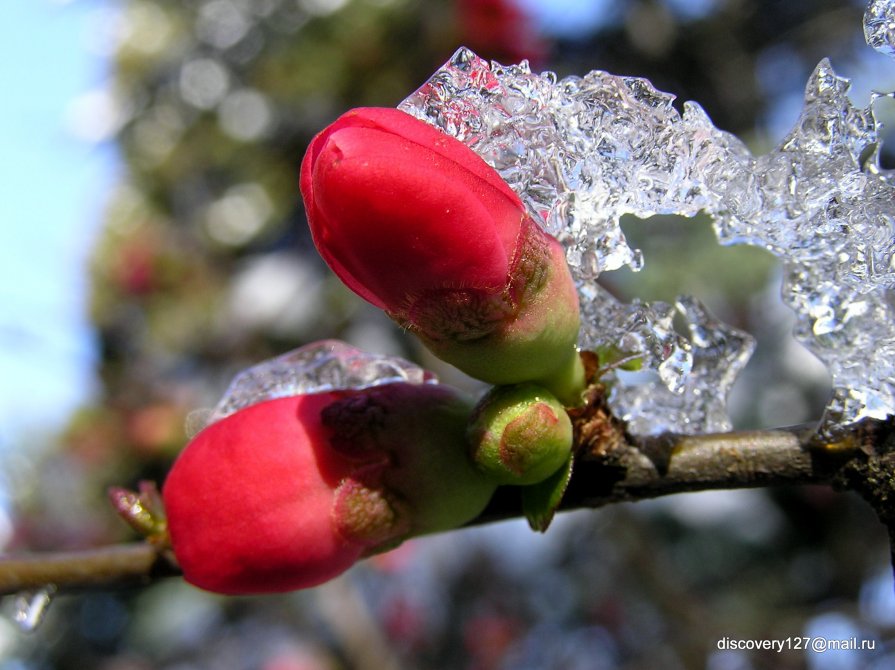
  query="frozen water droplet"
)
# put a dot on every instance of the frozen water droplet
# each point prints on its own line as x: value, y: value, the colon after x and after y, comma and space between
x: 31, y: 607
x: 328, y: 365
x: 879, y: 26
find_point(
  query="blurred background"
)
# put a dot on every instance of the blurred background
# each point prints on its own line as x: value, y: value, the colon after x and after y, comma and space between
x: 155, y: 244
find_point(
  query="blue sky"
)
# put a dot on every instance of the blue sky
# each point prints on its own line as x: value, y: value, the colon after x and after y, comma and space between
x: 52, y: 189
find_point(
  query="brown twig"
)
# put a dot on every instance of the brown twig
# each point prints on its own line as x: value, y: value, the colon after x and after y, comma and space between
x: 640, y: 469
x: 861, y: 459
x: 117, y: 565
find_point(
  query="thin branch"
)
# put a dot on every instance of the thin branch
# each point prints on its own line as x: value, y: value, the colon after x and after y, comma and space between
x: 630, y: 469
x: 639, y: 469
x: 117, y: 565
x: 668, y: 464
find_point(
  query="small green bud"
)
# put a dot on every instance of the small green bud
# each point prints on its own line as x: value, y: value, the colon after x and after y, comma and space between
x: 143, y: 510
x: 519, y: 434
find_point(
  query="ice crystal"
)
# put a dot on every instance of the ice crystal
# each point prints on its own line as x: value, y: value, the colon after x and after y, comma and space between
x: 329, y: 365
x: 583, y: 151
x: 718, y: 353
x: 879, y: 26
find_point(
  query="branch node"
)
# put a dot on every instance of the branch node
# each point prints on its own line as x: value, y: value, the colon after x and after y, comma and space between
x: 598, y: 432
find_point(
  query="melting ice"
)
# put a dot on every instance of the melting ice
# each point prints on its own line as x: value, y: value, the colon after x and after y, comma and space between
x: 879, y: 26
x: 328, y: 365
x: 31, y: 607
x: 583, y: 151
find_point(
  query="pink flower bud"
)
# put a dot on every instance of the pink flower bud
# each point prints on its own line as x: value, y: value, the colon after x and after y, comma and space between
x: 289, y: 493
x: 416, y: 223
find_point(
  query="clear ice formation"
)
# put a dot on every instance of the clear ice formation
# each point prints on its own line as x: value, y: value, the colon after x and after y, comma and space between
x: 717, y: 353
x: 879, y: 26
x: 328, y: 365
x: 583, y: 151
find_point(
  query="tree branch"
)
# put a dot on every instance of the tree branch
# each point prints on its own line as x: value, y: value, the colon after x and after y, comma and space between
x: 638, y: 469
x: 117, y: 565
x: 615, y: 468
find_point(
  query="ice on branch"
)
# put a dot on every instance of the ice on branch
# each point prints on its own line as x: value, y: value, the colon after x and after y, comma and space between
x: 583, y: 151
x: 328, y: 365
x: 879, y: 26
x: 717, y: 354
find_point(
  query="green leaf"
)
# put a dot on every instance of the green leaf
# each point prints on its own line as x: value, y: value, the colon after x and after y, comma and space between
x: 540, y: 501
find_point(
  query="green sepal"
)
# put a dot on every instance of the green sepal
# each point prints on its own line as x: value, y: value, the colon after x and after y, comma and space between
x: 540, y: 501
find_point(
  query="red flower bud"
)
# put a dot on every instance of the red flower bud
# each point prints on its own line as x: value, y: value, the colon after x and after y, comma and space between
x: 416, y: 223
x: 288, y: 493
